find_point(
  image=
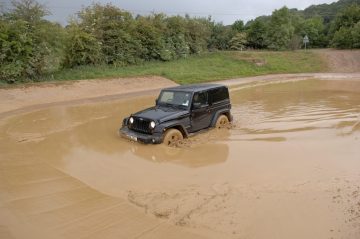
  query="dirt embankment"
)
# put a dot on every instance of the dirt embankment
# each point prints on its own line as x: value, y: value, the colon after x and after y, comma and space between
x: 49, y: 93
x: 342, y: 61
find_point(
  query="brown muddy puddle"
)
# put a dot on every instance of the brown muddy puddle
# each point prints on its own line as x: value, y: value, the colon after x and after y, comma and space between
x: 289, y: 167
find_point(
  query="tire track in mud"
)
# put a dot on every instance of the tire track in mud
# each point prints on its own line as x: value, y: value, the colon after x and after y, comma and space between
x: 346, y: 194
x: 228, y: 209
x: 179, y: 206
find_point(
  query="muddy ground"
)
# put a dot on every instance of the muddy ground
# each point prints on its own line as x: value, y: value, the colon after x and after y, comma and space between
x: 288, y: 167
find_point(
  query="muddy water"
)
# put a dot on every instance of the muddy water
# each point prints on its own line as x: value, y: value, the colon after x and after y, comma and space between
x: 289, y: 167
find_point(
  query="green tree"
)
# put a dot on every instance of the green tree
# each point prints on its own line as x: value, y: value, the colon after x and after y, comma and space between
x: 16, y: 50
x: 280, y: 30
x: 114, y: 29
x: 256, y: 34
x: 342, y: 38
x: 345, y: 27
x: 348, y: 17
x: 82, y: 48
x: 29, y: 44
x: 295, y: 42
x: 238, y: 26
x: 238, y: 42
x: 150, y: 32
x: 220, y: 37
x: 355, y: 33
x: 28, y: 10
x: 176, y: 31
x: 314, y: 28
x: 198, y: 31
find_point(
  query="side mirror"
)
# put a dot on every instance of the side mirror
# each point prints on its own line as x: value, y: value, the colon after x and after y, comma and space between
x: 196, y: 105
x: 156, y: 101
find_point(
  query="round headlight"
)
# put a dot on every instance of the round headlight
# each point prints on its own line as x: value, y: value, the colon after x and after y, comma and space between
x: 152, y: 124
x: 131, y: 120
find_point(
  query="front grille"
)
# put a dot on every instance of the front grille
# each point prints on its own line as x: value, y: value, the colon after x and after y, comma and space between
x: 141, y: 125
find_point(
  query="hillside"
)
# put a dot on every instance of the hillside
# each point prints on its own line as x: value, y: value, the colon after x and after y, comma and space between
x: 327, y: 11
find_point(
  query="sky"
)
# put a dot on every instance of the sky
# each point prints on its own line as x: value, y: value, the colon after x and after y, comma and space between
x: 225, y: 11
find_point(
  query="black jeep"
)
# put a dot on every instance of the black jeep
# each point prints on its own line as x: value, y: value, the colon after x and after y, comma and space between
x: 179, y: 111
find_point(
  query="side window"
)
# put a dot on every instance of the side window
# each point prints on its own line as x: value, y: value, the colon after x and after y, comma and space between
x: 219, y: 94
x: 201, y: 98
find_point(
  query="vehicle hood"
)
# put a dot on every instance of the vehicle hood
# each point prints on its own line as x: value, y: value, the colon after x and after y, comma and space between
x: 161, y: 114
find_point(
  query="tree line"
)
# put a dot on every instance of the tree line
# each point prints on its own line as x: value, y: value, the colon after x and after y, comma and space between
x: 31, y: 46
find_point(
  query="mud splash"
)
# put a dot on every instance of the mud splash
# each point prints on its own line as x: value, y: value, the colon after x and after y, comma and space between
x: 288, y: 168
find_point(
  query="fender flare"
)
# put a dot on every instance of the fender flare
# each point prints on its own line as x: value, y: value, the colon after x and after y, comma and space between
x: 218, y: 113
x: 177, y: 126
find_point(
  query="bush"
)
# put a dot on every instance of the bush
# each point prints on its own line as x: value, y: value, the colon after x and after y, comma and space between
x: 346, y: 28
x: 280, y: 30
x: 22, y: 53
x: 114, y: 30
x: 355, y: 33
x: 81, y: 48
x: 238, y: 42
x: 342, y: 38
x: 29, y: 45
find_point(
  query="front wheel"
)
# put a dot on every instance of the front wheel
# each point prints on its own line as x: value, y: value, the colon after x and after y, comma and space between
x: 222, y: 121
x: 172, y: 137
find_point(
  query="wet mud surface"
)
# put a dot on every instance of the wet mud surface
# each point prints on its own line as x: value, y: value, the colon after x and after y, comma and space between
x: 288, y: 167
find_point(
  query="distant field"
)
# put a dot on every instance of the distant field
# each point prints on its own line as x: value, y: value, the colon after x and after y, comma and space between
x: 206, y: 67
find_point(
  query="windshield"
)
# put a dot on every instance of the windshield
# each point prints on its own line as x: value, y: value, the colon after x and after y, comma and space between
x: 174, y: 98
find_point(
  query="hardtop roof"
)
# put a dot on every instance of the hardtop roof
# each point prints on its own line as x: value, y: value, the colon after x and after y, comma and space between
x: 195, y: 87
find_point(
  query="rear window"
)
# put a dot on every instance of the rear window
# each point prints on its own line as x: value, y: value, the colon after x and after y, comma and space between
x: 218, y: 94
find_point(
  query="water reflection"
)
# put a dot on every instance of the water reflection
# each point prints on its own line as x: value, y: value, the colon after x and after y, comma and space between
x: 190, y: 157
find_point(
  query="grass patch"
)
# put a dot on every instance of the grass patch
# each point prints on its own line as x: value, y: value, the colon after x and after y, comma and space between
x: 206, y: 67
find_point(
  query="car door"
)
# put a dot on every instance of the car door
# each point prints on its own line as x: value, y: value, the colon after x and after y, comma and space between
x: 200, y: 113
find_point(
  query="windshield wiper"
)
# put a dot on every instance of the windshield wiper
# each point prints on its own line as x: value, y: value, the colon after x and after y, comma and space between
x: 174, y: 106
x: 169, y: 105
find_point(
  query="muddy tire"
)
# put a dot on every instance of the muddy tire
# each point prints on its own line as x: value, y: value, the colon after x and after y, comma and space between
x: 222, y: 122
x: 172, y: 137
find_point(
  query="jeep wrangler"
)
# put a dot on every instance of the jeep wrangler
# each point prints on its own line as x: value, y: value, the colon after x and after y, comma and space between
x: 179, y: 112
